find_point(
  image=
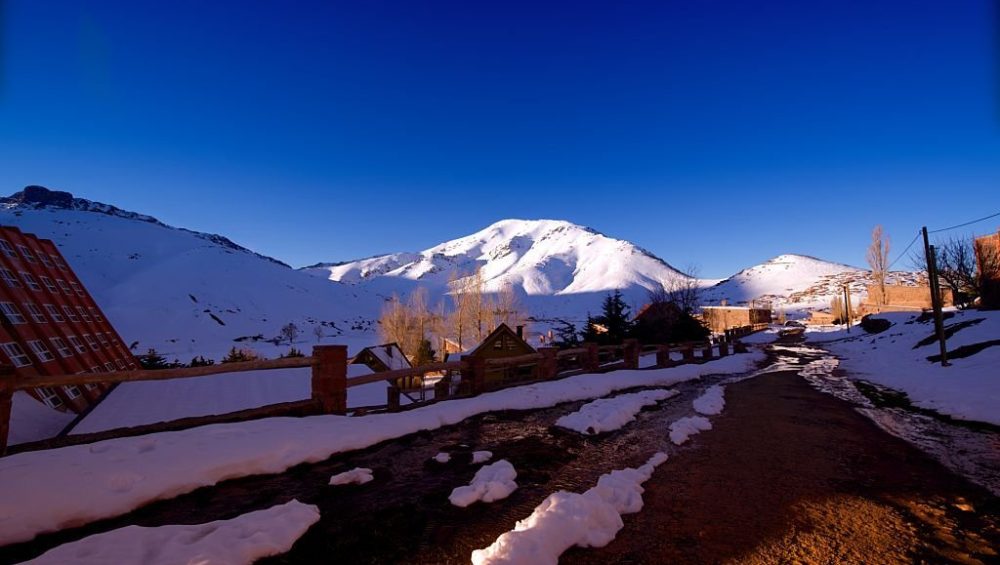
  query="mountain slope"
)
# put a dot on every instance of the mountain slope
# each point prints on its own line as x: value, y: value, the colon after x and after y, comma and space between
x: 538, y: 257
x: 186, y: 293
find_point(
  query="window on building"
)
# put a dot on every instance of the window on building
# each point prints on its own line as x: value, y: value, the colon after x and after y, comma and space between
x: 12, y: 314
x: 72, y: 392
x: 59, y: 262
x: 26, y: 253
x: 77, y: 343
x: 42, y: 352
x: 45, y: 260
x: 95, y: 313
x: 110, y: 367
x: 77, y: 289
x: 10, y: 278
x: 96, y: 369
x: 121, y: 364
x: 64, y: 286
x: 7, y: 248
x: 90, y: 386
x: 49, y: 397
x: 35, y: 312
x: 71, y: 314
x: 91, y: 342
x: 61, y: 346
x: 83, y: 313
x: 54, y: 313
x: 17, y: 356
x: 49, y: 284
x: 30, y: 281
x: 102, y: 338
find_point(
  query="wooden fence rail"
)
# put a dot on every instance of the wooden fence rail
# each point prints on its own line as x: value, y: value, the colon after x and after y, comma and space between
x: 329, y: 372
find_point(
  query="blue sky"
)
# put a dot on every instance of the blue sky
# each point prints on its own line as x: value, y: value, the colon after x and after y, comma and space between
x: 712, y: 133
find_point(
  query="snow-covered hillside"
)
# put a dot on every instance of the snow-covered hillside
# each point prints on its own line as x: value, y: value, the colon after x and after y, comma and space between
x: 791, y: 281
x: 187, y: 293
x: 539, y: 257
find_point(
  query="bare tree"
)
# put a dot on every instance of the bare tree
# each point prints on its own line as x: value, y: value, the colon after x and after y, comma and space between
x: 878, y: 260
x: 988, y: 272
x: 683, y: 292
x: 318, y: 332
x: 956, y: 262
x: 507, y: 308
x: 838, y: 309
x: 290, y: 332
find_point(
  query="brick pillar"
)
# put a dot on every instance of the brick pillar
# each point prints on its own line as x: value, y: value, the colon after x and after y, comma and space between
x: 474, y: 373
x: 707, y: 352
x: 663, y: 356
x: 688, y: 353
x: 631, y: 353
x: 723, y: 349
x: 6, y: 399
x: 592, y: 358
x: 549, y: 364
x: 329, y: 378
x: 392, y: 398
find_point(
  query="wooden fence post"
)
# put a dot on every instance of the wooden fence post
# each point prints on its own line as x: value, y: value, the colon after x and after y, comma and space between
x: 631, y: 353
x: 707, y: 352
x: 739, y: 347
x: 592, y: 359
x: 442, y: 388
x: 723, y: 348
x: 6, y: 399
x: 549, y: 365
x: 663, y: 356
x: 329, y: 378
x: 688, y: 353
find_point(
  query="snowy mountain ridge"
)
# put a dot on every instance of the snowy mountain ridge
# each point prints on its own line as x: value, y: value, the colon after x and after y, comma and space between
x: 538, y: 257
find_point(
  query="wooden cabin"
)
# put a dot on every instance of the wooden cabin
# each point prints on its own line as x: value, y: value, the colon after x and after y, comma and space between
x: 502, y: 342
x: 385, y: 357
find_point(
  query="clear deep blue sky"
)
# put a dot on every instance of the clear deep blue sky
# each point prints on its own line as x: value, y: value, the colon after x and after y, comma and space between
x: 710, y: 132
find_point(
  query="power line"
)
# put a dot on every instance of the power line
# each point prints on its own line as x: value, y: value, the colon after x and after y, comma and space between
x: 965, y: 224
x: 903, y: 254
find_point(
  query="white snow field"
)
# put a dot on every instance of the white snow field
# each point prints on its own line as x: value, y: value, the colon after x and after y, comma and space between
x: 149, y: 402
x: 30, y: 420
x: 567, y: 519
x: 683, y: 429
x: 711, y: 402
x: 241, y: 540
x: 356, y: 476
x: 43, y: 491
x: 607, y: 414
x: 969, y: 389
x: 492, y: 482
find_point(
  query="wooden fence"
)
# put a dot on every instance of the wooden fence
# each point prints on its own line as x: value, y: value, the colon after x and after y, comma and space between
x: 330, y: 382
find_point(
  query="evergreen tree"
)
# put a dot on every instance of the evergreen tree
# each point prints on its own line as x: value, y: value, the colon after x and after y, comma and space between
x: 568, y: 335
x: 153, y: 361
x: 425, y: 353
x: 200, y: 361
x: 293, y: 352
x: 239, y: 356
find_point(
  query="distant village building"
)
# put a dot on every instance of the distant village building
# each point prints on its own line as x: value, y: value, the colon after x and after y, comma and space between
x: 721, y: 318
x: 385, y: 357
x: 988, y: 258
x: 501, y: 342
x: 902, y: 298
x: 50, y: 325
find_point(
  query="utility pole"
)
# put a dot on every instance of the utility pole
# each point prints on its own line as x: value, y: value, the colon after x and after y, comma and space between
x: 932, y: 282
x: 847, y: 308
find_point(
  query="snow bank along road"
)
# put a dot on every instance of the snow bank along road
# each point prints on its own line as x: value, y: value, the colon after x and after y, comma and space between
x: 66, y: 488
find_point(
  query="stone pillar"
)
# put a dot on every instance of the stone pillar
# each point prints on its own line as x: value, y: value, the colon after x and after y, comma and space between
x: 392, y: 398
x: 592, y: 358
x: 549, y: 365
x: 631, y: 353
x: 474, y: 373
x: 329, y: 378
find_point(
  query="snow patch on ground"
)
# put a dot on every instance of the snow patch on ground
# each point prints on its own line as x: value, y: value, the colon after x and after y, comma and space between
x: 565, y: 519
x: 357, y: 476
x: 683, y: 429
x: 43, y: 491
x: 711, y: 402
x: 243, y: 539
x: 607, y: 414
x: 442, y: 457
x: 492, y: 482
x: 481, y: 456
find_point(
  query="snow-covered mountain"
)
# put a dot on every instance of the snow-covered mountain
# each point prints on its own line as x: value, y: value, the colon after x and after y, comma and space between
x: 540, y: 257
x: 183, y: 292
